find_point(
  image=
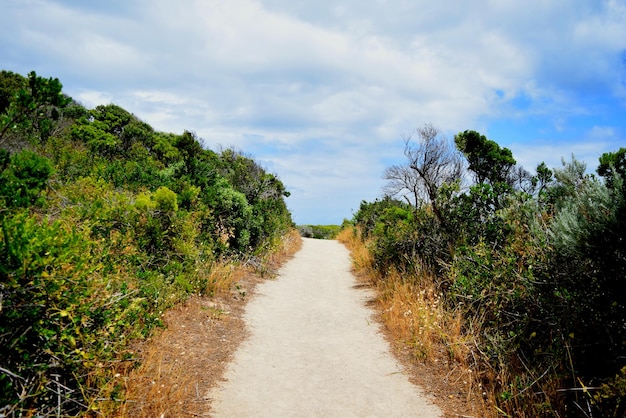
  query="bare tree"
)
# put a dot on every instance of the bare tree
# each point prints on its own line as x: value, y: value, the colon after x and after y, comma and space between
x: 403, y: 182
x: 520, y: 179
x: 431, y: 162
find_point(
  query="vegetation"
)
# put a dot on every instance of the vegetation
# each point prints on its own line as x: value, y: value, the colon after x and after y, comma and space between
x: 319, y: 231
x: 104, y: 224
x: 528, y: 269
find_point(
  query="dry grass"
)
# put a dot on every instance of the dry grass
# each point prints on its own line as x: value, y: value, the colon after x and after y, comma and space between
x: 362, y: 260
x: 181, y: 363
x: 424, y: 332
x: 286, y: 248
x: 415, y: 314
x: 171, y: 380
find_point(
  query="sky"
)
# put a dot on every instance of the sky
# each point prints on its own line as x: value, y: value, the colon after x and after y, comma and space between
x: 322, y: 94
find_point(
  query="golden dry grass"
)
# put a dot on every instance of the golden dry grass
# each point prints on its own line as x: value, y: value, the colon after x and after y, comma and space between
x: 362, y: 260
x: 286, y: 248
x: 171, y: 380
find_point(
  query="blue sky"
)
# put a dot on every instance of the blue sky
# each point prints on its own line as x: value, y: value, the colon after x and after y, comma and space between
x: 323, y: 93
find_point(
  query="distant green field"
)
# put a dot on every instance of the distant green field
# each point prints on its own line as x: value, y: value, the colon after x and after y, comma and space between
x: 319, y: 231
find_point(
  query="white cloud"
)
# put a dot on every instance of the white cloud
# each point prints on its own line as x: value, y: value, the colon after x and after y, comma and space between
x: 553, y: 154
x: 91, y: 98
x: 601, y: 133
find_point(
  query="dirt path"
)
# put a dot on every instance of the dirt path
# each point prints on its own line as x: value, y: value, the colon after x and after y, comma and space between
x: 314, y: 350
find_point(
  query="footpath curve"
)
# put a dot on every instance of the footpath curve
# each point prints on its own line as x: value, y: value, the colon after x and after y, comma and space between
x: 314, y: 349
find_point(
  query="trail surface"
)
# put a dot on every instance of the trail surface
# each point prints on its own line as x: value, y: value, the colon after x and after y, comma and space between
x: 314, y: 349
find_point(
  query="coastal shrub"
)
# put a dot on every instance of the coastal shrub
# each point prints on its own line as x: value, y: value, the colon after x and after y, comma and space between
x: 24, y: 177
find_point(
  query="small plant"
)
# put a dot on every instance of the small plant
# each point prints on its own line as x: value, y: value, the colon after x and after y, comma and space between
x: 612, y: 396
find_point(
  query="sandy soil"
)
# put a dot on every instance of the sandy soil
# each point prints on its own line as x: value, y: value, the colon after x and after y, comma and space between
x: 314, y: 349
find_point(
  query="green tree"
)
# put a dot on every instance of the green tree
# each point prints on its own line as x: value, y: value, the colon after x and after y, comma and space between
x: 96, y: 138
x: 127, y: 129
x: 190, y: 149
x: 36, y: 105
x: 114, y: 117
x: 264, y: 192
x: 10, y: 84
x: 164, y: 149
x: 612, y: 164
x: 489, y: 162
x: 544, y: 177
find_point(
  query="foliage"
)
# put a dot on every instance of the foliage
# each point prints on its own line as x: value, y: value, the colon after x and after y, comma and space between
x: 105, y: 223
x: 46, y: 298
x: 588, y: 268
x: 10, y: 84
x: 543, y: 179
x: 319, y: 231
x: 32, y: 103
x: 263, y: 191
x: 612, y: 396
x: 490, y: 163
x: 612, y: 165
x: 23, y: 178
x: 305, y: 231
x: 475, y: 216
x: 536, y: 272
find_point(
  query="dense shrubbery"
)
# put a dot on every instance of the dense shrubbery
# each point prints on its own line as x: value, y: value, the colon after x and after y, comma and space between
x: 106, y: 223
x: 319, y: 231
x: 536, y: 265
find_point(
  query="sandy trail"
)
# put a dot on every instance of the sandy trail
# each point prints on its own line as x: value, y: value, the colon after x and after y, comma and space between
x: 314, y: 350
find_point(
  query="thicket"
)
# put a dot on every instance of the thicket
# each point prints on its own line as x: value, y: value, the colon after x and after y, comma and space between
x: 104, y: 224
x: 319, y: 231
x: 534, y: 264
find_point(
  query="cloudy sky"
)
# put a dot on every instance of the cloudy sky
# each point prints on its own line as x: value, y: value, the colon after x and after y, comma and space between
x: 323, y: 93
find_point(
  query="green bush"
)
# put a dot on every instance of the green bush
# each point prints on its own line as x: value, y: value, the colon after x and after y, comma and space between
x: 319, y: 231
x: 23, y: 179
x: 166, y: 200
x: 231, y: 215
x: 47, y: 323
x: 587, y: 271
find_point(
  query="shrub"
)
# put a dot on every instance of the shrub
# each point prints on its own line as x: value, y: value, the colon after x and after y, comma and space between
x: 611, y: 399
x: 166, y: 200
x: 306, y: 231
x: 319, y: 231
x: 48, y: 322
x: 24, y: 178
x: 587, y: 270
